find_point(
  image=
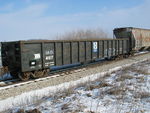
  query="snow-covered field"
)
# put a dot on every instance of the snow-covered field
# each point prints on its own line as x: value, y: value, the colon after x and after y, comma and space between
x: 123, y: 91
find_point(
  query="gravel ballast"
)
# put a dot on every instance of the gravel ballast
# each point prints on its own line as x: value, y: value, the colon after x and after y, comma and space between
x: 14, y: 91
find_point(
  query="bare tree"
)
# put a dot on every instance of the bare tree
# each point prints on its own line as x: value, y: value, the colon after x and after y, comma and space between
x: 85, y: 34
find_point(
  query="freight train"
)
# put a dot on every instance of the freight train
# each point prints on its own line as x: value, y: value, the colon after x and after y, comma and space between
x: 34, y: 58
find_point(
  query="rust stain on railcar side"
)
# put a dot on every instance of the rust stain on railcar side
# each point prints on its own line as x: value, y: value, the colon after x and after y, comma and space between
x: 139, y: 38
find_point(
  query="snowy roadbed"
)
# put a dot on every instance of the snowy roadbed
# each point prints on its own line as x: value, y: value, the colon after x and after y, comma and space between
x: 36, y: 96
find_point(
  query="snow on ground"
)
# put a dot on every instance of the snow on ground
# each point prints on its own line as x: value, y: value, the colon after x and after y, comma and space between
x: 141, y: 52
x: 127, y: 90
x: 123, y: 91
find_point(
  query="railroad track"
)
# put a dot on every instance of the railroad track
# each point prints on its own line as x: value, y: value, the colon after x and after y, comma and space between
x: 15, y: 83
x: 63, y: 72
x: 7, y: 84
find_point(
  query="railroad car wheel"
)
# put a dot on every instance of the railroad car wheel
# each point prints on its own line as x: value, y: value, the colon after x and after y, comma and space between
x: 38, y: 74
x: 33, y: 76
x: 46, y: 71
x: 24, y: 76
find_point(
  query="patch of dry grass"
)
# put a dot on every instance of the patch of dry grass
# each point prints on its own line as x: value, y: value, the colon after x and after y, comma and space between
x: 140, y: 79
x: 123, y: 77
x: 97, y: 86
x: 28, y: 111
x: 115, y: 91
x: 142, y: 95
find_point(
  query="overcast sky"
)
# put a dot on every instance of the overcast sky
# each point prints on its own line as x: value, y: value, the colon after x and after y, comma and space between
x: 44, y: 19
